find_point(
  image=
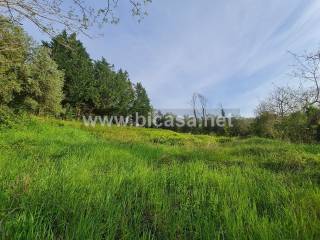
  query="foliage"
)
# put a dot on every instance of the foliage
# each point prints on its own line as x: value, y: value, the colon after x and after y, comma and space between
x: 94, y: 88
x: 123, y: 94
x: 29, y: 78
x: 293, y: 113
x: 105, y: 76
x: 117, y: 95
x: 73, y: 59
x: 313, y: 114
x: 264, y: 125
x: 7, y: 117
x: 14, y: 49
x: 295, y: 128
x: 44, y: 86
x: 141, y: 102
x: 241, y: 127
x: 39, y: 79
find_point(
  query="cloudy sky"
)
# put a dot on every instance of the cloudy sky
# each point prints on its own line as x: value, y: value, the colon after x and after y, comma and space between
x: 231, y: 51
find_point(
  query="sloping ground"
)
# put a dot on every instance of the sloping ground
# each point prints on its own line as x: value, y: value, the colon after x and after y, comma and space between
x: 61, y: 180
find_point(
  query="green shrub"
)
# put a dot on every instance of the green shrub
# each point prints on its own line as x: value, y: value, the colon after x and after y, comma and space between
x: 264, y: 125
x: 7, y: 117
x: 295, y: 128
x: 241, y: 127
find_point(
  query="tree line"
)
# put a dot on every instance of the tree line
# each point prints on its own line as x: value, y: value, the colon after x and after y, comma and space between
x: 293, y: 112
x: 288, y: 112
x: 59, y: 78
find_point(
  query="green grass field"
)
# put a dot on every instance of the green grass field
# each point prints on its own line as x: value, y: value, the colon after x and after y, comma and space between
x: 61, y: 180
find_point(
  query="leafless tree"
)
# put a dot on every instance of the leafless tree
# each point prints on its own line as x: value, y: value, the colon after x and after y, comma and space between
x: 285, y: 100
x: 199, y: 105
x: 307, y: 70
x: 72, y: 15
x: 194, y: 105
x: 203, y: 105
x: 281, y: 101
x: 222, y: 111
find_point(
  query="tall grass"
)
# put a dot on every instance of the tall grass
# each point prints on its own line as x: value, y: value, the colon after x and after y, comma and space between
x: 59, y: 180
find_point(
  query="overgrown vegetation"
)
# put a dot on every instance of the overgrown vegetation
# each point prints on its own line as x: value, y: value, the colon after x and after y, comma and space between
x: 287, y: 114
x: 60, y: 180
x: 60, y: 79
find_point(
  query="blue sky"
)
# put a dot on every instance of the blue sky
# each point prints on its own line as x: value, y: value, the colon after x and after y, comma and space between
x: 231, y: 51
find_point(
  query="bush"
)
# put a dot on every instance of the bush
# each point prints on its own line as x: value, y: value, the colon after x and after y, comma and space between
x: 295, y: 128
x: 264, y: 125
x: 7, y: 117
x: 241, y: 127
x: 314, y: 122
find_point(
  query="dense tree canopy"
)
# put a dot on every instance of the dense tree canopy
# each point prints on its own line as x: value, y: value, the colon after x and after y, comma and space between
x: 44, y: 86
x: 29, y: 78
x: 14, y: 48
x: 104, y: 76
x: 56, y: 78
x: 94, y: 86
x: 115, y: 91
x: 77, y: 66
x: 141, y: 102
x: 62, y: 79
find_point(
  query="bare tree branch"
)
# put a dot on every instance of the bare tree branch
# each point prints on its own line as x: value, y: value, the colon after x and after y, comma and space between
x: 308, y: 72
x: 73, y: 15
x: 281, y: 101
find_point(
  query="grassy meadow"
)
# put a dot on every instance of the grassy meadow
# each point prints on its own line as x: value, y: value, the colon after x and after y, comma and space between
x: 61, y: 180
